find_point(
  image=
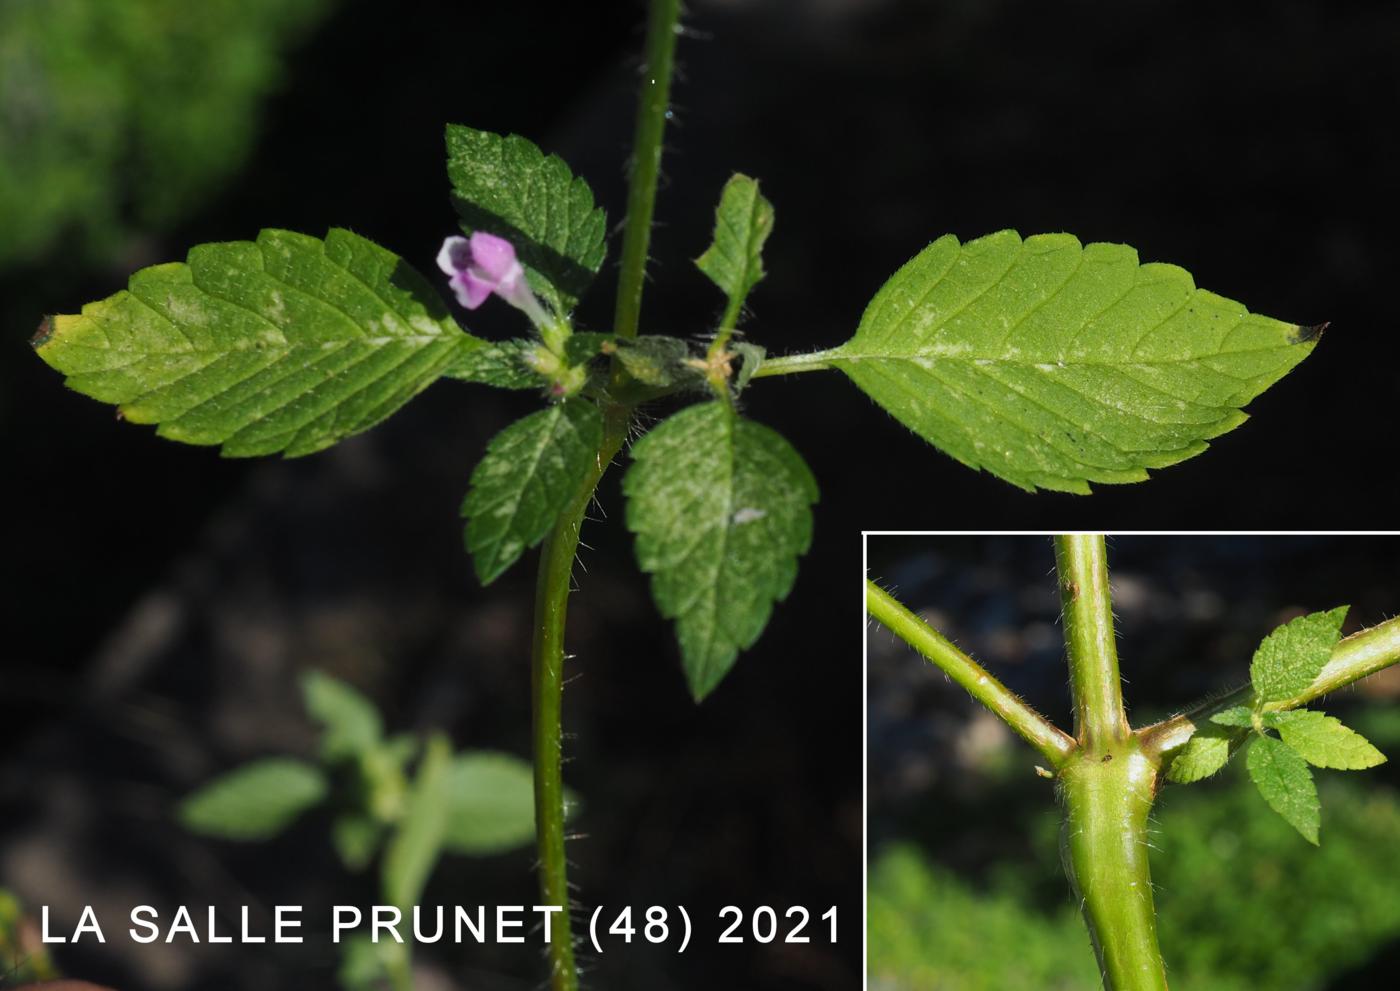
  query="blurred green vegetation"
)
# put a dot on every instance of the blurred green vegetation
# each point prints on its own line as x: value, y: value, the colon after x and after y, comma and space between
x: 1244, y: 904
x: 121, y: 115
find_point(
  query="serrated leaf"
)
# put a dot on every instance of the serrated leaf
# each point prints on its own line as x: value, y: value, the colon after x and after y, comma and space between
x: 417, y: 842
x: 1205, y: 753
x: 734, y: 260
x: 492, y: 803
x: 1323, y: 740
x: 506, y: 186
x: 1053, y: 365
x: 500, y: 364
x: 1291, y: 657
x: 720, y: 506
x: 356, y: 838
x: 1238, y: 716
x: 1283, y: 778
x: 284, y: 345
x: 351, y: 724
x: 255, y: 801
x: 530, y: 471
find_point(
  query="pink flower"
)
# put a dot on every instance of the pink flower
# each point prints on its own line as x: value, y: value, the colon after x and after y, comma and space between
x: 484, y: 264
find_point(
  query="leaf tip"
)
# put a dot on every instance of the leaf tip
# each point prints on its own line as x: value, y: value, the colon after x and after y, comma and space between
x: 1304, y: 334
x: 43, y: 334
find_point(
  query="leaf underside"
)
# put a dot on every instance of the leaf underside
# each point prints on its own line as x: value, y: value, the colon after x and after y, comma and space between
x: 530, y: 471
x: 1283, y: 778
x: 1053, y: 365
x: 504, y: 185
x: 286, y: 344
x: 720, y: 507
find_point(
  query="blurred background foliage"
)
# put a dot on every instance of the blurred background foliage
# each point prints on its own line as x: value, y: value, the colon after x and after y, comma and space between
x: 966, y: 892
x: 117, y: 119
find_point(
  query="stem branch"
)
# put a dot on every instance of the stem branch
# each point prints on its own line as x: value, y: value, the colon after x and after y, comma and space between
x: 1354, y: 658
x: 1099, y: 721
x: 1053, y: 744
x: 646, y: 162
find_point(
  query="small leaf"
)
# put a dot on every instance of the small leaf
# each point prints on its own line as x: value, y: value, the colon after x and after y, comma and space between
x: 501, y: 365
x: 356, y: 838
x: 721, y: 509
x: 734, y: 261
x: 506, y: 186
x: 492, y: 803
x: 1284, y: 780
x: 417, y: 843
x: 1052, y: 365
x: 1239, y: 716
x: 1292, y: 656
x: 351, y: 722
x: 751, y: 357
x: 288, y: 344
x: 530, y: 471
x: 1204, y: 754
x: 1323, y: 741
x: 255, y: 801
x: 654, y: 360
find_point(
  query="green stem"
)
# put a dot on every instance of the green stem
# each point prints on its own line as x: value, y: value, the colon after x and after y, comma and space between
x: 652, y: 110
x: 1099, y: 720
x: 1354, y: 658
x: 1034, y: 728
x: 1103, y: 842
x: 794, y: 364
x: 547, y: 685
x: 1108, y: 786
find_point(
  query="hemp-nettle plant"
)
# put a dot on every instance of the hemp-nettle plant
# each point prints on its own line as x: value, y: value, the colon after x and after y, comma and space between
x: 1108, y: 774
x: 1049, y: 363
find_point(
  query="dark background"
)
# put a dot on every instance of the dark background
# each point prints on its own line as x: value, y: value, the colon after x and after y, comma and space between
x: 159, y: 600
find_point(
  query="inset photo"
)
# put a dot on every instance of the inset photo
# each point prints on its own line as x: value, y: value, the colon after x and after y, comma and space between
x: 1127, y: 761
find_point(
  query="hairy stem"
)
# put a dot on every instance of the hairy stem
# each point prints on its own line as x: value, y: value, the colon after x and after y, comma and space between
x: 1354, y: 658
x: 547, y: 686
x: 652, y: 111
x: 793, y: 364
x: 1034, y: 728
x: 1099, y: 720
x: 1103, y: 842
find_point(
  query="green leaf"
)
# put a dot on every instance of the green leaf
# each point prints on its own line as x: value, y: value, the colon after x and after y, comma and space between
x: 502, y: 365
x: 1204, y: 754
x: 654, y: 360
x: 417, y: 842
x: 506, y: 186
x: 492, y: 803
x: 721, y: 509
x: 751, y: 357
x: 288, y: 344
x: 356, y: 838
x: 255, y: 801
x: 352, y: 724
x: 1239, y: 716
x: 734, y: 261
x: 1290, y: 658
x: 1283, y: 778
x: 530, y: 471
x: 1323, y: 741
x: 1053, y: 365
